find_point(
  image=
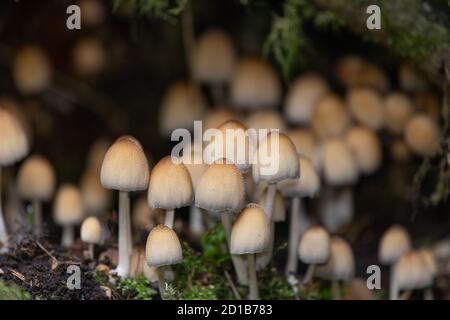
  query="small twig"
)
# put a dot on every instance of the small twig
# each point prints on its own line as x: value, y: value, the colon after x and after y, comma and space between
x: 232, y: 285
x: 17, y: 274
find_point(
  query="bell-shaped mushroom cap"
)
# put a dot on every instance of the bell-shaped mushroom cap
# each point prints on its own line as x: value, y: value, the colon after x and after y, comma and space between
x: 182, y: 104
x: 394, y: 243
x: 251, y: 232
x: 314, y: 246
x: 88, y: 57
x: 232, y: 142
x: 339, y: 165
x: 93, y: 12
x: 96, y: 154
x: 214, y: 57
x: 14, y: 144
x: 307, y: 185
x: 422, y: 135
x: 219, y: 115
x: 430, y: 261
x: 410, y: 272
x: 221, y: 188
x: 330, y: 117
x: 398, y: 109
x: 341, y: 265
x: 163, y: 247
x: 410, y: 79
x: 68, y: 206
x: 304, y: 142
x: 348, y: 70
x: 302, y: 96
x: 193, y: 161
x: 96, y: 199
x: 170, y: 185
x: 265, y: 120
x: 125, y: 166
x: 276, y: 160
x: 255, y: 85
x: 400, y: 151
x: 374, y: 77
x: 91, y: 230
x: 279, y: 209
x: 36, y: 179
x: 32, y: 70
x: 143, y: 217
x: 366, y: 149
x: 366, y: 106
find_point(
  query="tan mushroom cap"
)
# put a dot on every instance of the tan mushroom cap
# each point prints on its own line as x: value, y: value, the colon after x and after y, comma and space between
x: 170, y: 185
x: 357, y: 290
x: 36, y: 179
x: 410, y: 272
x: 304, y: 142
x: 214, y: 57
x: 14, y: 143
x: 330, y: 117
x: 88, y: 57
x: 68, y: 206
x: 221, y: 114
x: 255, y: 85
x: 348, y: 70
x: 194, y: 163
x: 93, y: 12
x: 338, y: 162
x: 182, y: 104
x: 251, y: 232
x: 400, y: 151
x: 307, y: 185
x: 398, y: 109
x: 125, y: 166
x: 32, y: 71
x: 265, y: 120
x: 302, y: 97
x: 96, y: 199
x: 366, y: 149
x: 341, y: 265
x: 422, y: 134
x: 143, y: 217
x: 410, y: 79
x: 314, y: 246
x: 96, y: 153
x: 393, y: 244
x: 221, y: 188
x: 91, y: 230
x: 279, y: 208
x: 366, y: 106
x: 163, y: 247
x: 276, y: 160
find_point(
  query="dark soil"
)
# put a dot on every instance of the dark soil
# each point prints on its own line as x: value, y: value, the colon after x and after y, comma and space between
x: 35, y: 271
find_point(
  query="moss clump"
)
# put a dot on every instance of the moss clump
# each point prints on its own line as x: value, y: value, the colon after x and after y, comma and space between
x: 137, y: 289
x: 12, y: 292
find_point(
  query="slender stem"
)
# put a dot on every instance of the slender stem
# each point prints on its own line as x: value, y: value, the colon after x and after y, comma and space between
x: 226, y: 221
x: 37, y: 218
x: 253, y: 281
x: 294, y: 230
x: 187, y: 25
x: 169, y: 219
x: 428, y: 294
x: 3, y: 230
x: 309, y: 274
x: 393, y: 289
x: 91, y: 251
x: 335, y: 290
x: 128, y: 226
x: 123, y: 266
x: 196, y: 220
x: 270, y: 200
x: 161, y: 282
x: 68, y: 235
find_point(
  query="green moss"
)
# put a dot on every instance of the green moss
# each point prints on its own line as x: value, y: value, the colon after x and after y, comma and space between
x: 12, y: 292
x: 137, y: 289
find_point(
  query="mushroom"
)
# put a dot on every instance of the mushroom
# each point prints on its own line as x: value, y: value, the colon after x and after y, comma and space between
x: 32, y: 70
x: 393, y: 244
x: 214, y: 62
x: 68, y: 212
x: 217, y: 116
x: 125, y: 168
x: 93, y: 12
x: 36, y: 182
x: 366, y: 107
x: 314, y: 249
x: 400, y: 151
x: 422, y: 135
x: 145, y: 218
x: 431, y: 265
x: 307, y: 186
x: 330, y: 117
x: 96, y: 199
x: 265, y: 120
x: 250, y: 235
x: 255, y: 85
x: 170, y: 187
x: 398, y: 109
x: 366, y: 149
x: 14, y: 145
x: 410, y: 79
x: 162, y: 249
x: 302, y: 96
x: 221, y: 191
x: 91, y: 233
x: 96, y: 154
x: 88, y: 57
x: 357, y: 290
x: 340, y: 266
x: 348, y: 70
x: 304, y: 142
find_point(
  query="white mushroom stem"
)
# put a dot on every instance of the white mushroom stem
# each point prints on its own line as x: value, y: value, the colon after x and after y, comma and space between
x: 428, y: 294
x: 37, y: 218
x: 309, y: 274
x: 196, y: 220
x: 161, y: 282
x: 238, y: 262
x: 68, y: 236
x: 91, y: 251
x: 128, y: 228
x: 270, y: 200
x: 335, y: 290
x: 294, y: 235
x: 3, y: 230
x: 253, y: 281
x: 170, y: 217
x: 393, y: 289
x: 123, y: 266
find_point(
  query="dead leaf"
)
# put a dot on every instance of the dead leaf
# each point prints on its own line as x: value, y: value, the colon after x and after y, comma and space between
x: 54, y: 263
x: 108, y: 291
x: 18, y: 275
